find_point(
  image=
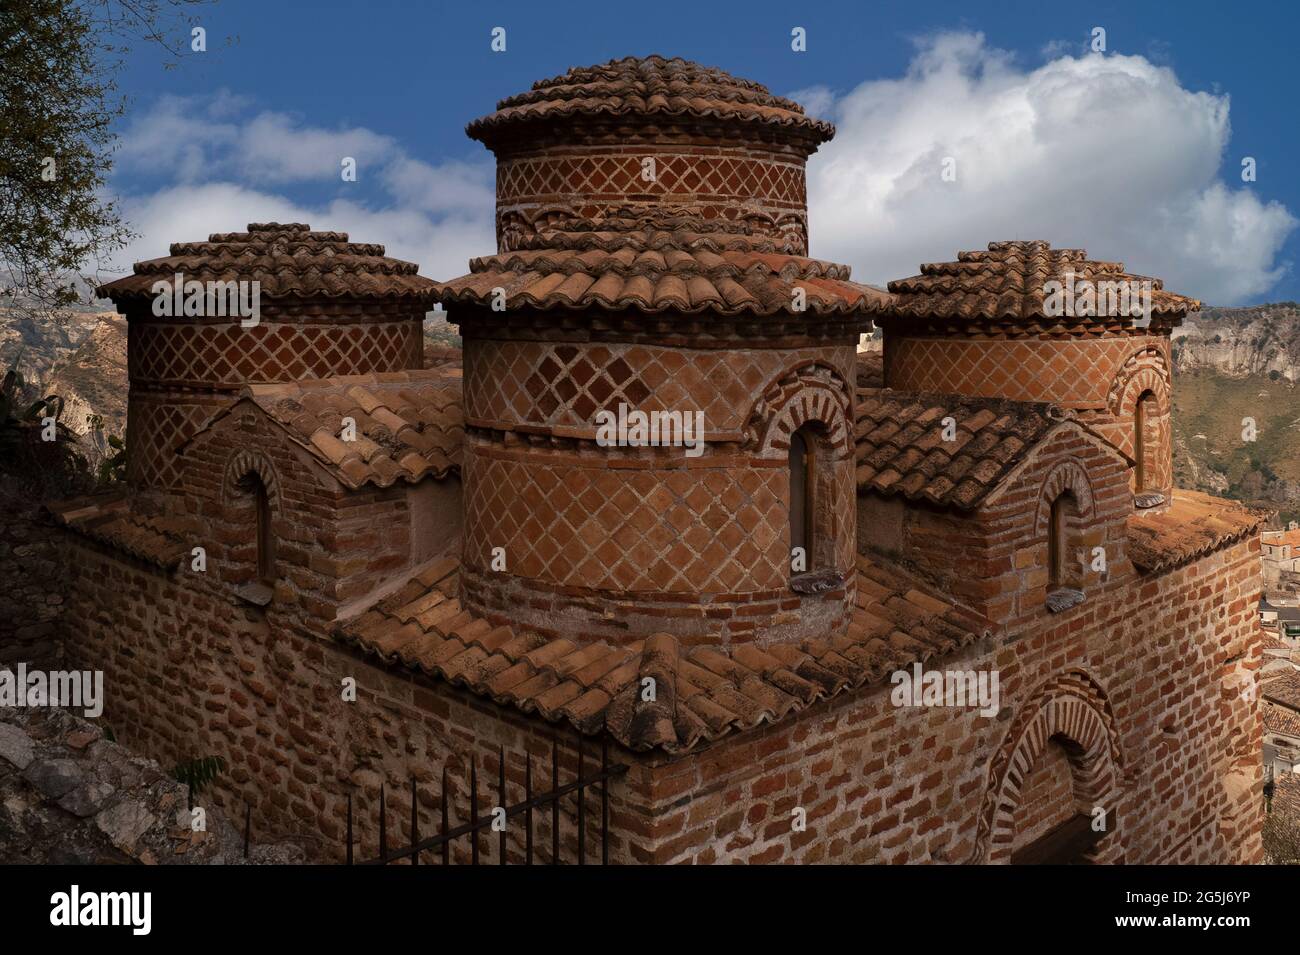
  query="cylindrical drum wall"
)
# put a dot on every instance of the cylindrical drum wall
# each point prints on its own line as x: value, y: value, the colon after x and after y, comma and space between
x: 182, y: 371
x: 564, y: 532
x: 1116, y: 382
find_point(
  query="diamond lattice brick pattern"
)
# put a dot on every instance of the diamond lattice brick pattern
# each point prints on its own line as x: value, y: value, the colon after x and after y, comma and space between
x: 271, y: 351
x: 565, y: 385
x: 621, y: 175
x: 157, y: 425
x: 679, y: 531
x: 1073, y: 373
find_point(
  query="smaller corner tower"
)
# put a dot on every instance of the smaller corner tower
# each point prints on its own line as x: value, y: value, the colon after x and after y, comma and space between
x: 321, y: 306
x: 1024, y: 321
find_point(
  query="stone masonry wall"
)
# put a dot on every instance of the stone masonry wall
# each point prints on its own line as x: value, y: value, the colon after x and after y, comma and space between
x: 31, y: 584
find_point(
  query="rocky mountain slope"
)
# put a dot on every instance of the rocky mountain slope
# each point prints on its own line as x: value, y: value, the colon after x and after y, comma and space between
x: 1233, y: 364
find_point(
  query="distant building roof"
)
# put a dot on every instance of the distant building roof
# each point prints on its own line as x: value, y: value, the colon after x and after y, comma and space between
x: 1281, y: 719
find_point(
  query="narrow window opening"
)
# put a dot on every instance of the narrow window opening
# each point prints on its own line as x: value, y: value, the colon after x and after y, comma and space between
x: 1062, y: 575
x: 812, y: 528
x: 1144, y: 451
x: 802, y: 489
x: 265, y: 539
x: 1140, y: 442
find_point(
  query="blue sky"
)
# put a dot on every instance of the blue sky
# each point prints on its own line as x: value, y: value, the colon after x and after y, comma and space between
x: 1134, y: 154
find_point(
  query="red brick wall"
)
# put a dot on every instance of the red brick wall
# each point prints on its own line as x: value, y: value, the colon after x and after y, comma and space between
x: 332, y: 546
x: 189, y: 673
x: 996, y: 560
x: 764, y: 186
x: 1099, y: 378
x: 603, y: 542
x: 183, y: 370
x: 886, y: 784
x: 1047, y: 799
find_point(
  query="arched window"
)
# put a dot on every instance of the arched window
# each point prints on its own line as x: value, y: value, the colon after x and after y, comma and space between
x: 1063, y: 570
x: 1056, y: 542
x: 1140, y: 418
x: 265, y: 539
x: 803, y: 484
x: 263, y: 535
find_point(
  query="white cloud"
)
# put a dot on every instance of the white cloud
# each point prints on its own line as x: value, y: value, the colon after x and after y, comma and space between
x: 221, y: 166
x: 188, y: 212
x: 1108, y: 153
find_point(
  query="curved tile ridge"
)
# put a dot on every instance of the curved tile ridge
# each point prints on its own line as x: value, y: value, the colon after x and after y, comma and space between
x: 651, y: 87
x: 652, y: 694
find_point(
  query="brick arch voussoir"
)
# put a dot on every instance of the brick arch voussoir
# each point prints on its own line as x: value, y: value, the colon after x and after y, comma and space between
x: 1072, y: 707
x: 1144, y: 370
x: 1066, y: 476
x: 812, y: 392
x: 243, y: 463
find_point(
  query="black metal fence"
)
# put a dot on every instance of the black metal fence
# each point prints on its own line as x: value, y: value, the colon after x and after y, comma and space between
x: 531, y: 803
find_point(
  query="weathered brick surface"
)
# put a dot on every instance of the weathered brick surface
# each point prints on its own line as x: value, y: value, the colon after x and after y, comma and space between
x: 881, y: 783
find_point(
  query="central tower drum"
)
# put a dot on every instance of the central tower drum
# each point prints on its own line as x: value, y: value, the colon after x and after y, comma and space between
x: 652, y: 267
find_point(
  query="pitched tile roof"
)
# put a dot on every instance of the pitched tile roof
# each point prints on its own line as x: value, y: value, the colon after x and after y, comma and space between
x: 901, y: 449
x: 701, y: 693
x: 287, y: 259
x: 654, y: 88
x: 1284, y: 689
x: 1194, y: 525
x: 409, y: 424
x: 1279, y: 718
x: 1286, y: 797
x: 1282, y: 538
x: 1007, y: 281
x: 657, y: 261
x: 110, y: 520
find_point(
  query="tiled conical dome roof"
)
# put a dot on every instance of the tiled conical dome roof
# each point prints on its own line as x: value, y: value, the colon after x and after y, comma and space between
x: 1008, y: 282
x: 653, y: 87
x: 288, y: 259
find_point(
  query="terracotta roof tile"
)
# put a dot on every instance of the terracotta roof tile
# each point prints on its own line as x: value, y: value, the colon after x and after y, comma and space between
x: 901, y: 449
x: 1006, y: 283
x: 1194, y: 525
x: 287, y: 259
x: 157, y: 540
x: 1280, y: 718
x: 408, y: 423
x: 652, y: 88
x: 655, y: 262
x: 700, y: 693
x: 1284, y: 689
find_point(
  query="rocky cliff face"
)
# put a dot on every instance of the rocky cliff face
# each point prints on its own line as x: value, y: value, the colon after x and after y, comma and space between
x: 1233, y: 364
x: 1237, y: 342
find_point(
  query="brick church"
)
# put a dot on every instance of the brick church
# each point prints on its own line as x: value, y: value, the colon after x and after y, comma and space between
x: 311, y: 501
